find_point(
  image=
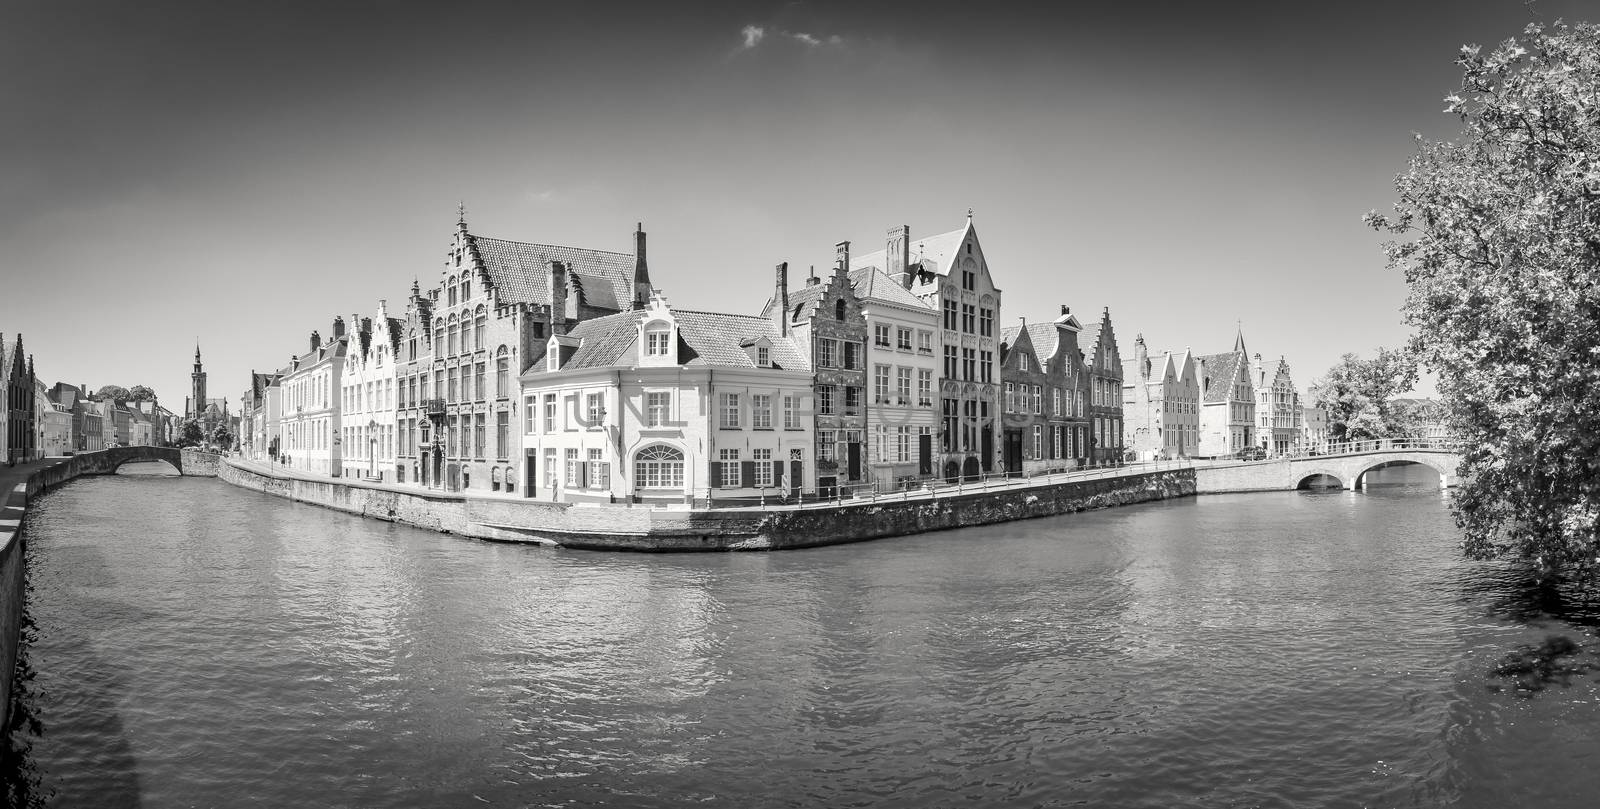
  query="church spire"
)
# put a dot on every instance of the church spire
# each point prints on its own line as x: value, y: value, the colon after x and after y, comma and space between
x: 1238, y: 341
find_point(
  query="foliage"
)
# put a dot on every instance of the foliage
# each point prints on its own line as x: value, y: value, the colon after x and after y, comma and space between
x: 1499, y: 239
x: 112, y: 392
x: 191, y: 433
x: 140, y: 393
x: 1358, y: 395
x: 221, y: 435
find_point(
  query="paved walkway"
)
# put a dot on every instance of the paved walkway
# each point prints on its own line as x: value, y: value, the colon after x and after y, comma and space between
x: 10, y: 476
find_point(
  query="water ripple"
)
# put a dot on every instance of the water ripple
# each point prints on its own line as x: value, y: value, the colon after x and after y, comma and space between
x: 230, y: 649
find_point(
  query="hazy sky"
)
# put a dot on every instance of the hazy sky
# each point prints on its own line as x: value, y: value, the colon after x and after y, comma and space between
x: 241, y: 172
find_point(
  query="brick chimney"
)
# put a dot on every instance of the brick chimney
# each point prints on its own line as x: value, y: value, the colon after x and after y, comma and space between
x: 338, y: 326
x: 556, y: 285
x: 316, y: 340
x: 780, y: 300
x: 897, y: 254
x: 641, y: 270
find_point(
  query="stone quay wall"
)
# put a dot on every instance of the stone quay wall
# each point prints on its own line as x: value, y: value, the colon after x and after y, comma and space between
x: 596, y: 527
x: 13, y: 513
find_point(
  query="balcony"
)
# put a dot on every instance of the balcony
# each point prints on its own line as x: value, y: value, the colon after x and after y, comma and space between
x: 433, y: 407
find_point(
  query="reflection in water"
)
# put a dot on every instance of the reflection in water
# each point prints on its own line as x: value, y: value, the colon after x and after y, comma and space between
x: 1280, y: 649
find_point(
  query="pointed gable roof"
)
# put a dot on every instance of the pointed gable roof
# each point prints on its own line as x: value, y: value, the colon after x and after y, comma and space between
x: 520, y: 271
x: 1221, y: 370
x: 934, y: 253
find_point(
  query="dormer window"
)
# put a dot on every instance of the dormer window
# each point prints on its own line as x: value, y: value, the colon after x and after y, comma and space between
x: 657, y: 341
x: 763, y: 357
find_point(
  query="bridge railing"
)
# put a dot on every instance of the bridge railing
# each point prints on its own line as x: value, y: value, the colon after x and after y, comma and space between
x: 1381, y: 445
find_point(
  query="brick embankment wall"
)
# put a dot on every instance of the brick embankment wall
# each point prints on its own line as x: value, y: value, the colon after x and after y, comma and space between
x: 650, y: 529
x: 855, y: 522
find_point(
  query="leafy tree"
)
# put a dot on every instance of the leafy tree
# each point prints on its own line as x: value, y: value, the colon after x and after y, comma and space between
x: 113, y: 392
x: 1358, y: 395
x: 222, y: 435
x: 191, y: 433
x: 1499, y: 239
x: 140, y: 393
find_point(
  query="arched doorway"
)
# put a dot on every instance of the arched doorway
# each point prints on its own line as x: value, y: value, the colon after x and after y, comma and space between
x: 969, y: 469
x: 952, y: 472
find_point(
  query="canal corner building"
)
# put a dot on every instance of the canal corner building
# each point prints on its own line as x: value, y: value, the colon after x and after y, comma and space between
x: 671, y: 408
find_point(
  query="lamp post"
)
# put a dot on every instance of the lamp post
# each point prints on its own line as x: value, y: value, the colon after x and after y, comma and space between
x: 372, y: 447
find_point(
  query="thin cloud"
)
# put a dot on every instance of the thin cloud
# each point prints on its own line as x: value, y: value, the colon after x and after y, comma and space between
x: 752, y: 36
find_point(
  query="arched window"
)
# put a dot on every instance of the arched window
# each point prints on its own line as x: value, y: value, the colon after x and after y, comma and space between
x: 438, y: 341
x: 466, y: 288
x: 658, y: 466
x: 494, y: 478
x: 450, y: 289
x: 838, y: 310
x: 502, y: 373
x: 479, y: 327
x: 411, y: 345
x: 450, y: 339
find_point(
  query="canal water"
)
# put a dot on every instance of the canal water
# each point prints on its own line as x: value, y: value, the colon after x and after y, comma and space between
x: 197, y: 645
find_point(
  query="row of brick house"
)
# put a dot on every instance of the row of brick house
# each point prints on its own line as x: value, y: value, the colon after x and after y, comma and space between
x: 563, y: 374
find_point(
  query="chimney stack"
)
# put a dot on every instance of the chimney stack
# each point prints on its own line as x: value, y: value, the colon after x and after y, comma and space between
x: 642, y: 289
x: 316, y: 340
x: 780, y: 300
x: 338, y: 326
x: 897, y: 254
x: 556, y: 284
x: 812, y: 279
x: 1065, y: 310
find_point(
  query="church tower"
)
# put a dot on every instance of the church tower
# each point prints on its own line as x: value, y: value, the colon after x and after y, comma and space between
x: 197, y: 404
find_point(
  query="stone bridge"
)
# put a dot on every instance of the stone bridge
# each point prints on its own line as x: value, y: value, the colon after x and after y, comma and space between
x: 1346, y: 464
x: 108, y: 461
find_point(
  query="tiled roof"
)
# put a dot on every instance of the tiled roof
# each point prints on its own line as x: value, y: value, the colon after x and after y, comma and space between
x: 1045, y: 337
x: 872, y: 283
x: 604, y: 340
x: 1220, y: 370
x: 705, y: 338
x: 520, y: 271
x: 715, y: 338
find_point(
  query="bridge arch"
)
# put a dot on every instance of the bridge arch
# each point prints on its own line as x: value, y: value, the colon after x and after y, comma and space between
x: 1443, y: 470
x: 1306, y: 476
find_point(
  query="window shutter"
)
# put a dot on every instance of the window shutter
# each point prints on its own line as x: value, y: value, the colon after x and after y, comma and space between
x: 777, y: 473
x: 583, y: 476
x: 716, y: 473
x: 747, y: 473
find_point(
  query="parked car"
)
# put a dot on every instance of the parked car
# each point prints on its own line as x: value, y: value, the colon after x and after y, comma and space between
x: 1252, y: 454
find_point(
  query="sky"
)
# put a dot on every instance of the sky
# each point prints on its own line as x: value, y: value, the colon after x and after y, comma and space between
x: 238, y: 173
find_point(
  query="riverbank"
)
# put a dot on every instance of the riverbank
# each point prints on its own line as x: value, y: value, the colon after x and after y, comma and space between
x: 606, y: 527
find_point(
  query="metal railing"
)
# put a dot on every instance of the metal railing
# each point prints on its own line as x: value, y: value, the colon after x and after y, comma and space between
x: 432, y: 407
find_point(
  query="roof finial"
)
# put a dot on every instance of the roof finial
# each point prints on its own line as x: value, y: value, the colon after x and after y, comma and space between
x: 969, y: 216
x: 461, y: 212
